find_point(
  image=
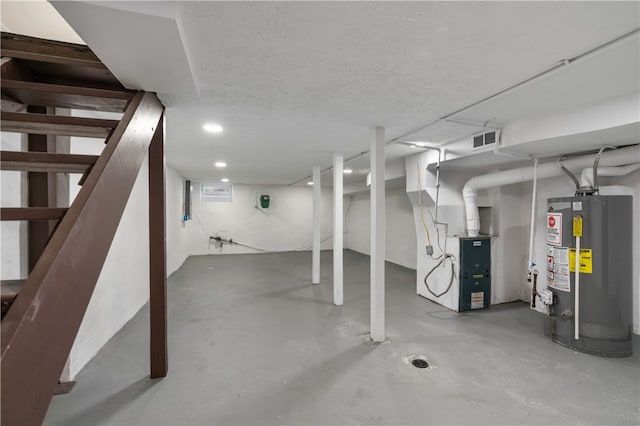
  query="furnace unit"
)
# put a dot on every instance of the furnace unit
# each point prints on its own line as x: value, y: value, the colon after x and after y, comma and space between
x: 475, y: 273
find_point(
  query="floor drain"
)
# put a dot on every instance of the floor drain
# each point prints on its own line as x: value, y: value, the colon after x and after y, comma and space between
x: 420, y: 363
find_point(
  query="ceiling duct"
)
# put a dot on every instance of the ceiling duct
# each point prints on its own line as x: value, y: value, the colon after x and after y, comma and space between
x: 483, y: 139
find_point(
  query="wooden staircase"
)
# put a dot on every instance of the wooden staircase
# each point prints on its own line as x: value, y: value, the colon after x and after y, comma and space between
x: 67, y: 245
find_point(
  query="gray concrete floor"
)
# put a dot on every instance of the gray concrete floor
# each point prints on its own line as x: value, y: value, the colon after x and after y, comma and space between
x: 253, y: 343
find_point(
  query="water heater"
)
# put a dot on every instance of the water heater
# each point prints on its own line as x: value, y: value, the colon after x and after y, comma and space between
x: 589, y: 272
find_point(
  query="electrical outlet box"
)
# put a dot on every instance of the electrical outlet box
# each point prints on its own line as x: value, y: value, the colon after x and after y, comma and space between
x: 546, y: 296
x: 429, y: 250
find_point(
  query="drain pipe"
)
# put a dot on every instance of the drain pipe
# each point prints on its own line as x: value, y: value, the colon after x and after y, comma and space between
x: 532, y: 229
x: 619, y: 157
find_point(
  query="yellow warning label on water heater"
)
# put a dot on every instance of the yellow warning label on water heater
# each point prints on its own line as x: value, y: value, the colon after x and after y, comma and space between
x: 586, y: 260
x: 577, y: 226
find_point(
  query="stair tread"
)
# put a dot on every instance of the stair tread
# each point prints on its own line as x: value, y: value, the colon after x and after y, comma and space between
x: 45, y: 162
x: 46, y: 124
x: 10, y: 288
x: 36, y: 49
x: 32, y: 213
x: 32, y: 93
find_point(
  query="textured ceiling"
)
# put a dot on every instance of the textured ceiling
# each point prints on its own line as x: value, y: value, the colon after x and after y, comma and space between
x: 292, y: 82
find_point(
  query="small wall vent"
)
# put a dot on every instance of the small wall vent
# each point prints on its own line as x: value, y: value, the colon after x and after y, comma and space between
x: 484, y: 139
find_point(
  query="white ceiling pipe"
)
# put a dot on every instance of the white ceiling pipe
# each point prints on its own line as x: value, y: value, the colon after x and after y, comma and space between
x: 586, y: 178
x: 617, y: 157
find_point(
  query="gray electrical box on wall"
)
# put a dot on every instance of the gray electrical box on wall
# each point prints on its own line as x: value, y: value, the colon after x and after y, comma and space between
x: 475, y: 273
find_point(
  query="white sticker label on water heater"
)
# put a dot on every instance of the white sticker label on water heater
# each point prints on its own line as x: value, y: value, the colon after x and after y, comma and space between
x: 558, y: 268
x: 554, y: 229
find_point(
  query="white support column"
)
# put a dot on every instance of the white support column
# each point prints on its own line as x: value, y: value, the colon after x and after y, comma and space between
x: 338, y: 292
x: 377, y: 235
x: 317, y: 206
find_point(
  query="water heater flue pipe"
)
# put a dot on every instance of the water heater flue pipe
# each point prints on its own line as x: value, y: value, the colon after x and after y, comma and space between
x: 586, y: 177
x: 619, y: 157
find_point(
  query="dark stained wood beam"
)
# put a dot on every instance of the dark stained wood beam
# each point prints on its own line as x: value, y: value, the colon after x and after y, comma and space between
x: 157, y: 256
x: 32, y: 213
x: 44, y: 124
x: 31, y: 93
x: 45, y: 162
x: 39, y: 194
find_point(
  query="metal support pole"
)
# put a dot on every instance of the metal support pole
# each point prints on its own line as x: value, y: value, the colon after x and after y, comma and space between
x: 338, y: 291
x: 317, y: 206
x: 377, y: 235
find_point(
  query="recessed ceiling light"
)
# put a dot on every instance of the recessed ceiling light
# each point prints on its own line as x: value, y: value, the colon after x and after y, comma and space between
x: 413, y: 146
x: 420, y: 144
x: 309, y: 183
x: 212, y: 128
x: 347, y: 171
x: 220, y: 164
x: 224, y: 180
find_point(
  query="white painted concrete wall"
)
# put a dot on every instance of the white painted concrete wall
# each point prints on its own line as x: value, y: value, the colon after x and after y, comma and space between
x: 451, y: 210
x: 177, y: 235
x: 287, y: 225
x: 123, y: 286
x: 401, y: 233
x: 11, y: 233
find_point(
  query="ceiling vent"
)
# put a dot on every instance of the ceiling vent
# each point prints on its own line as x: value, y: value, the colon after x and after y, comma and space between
x: 483, y: 139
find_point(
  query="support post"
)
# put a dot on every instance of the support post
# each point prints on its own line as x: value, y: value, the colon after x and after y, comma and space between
x: 317, y: 205
x: 41, y: 190
x: 338, y: 290
x: 157, y: 255
x: 377, y: 235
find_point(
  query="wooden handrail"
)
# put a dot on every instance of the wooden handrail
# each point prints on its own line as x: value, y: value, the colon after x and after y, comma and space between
x: 39, y: 329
